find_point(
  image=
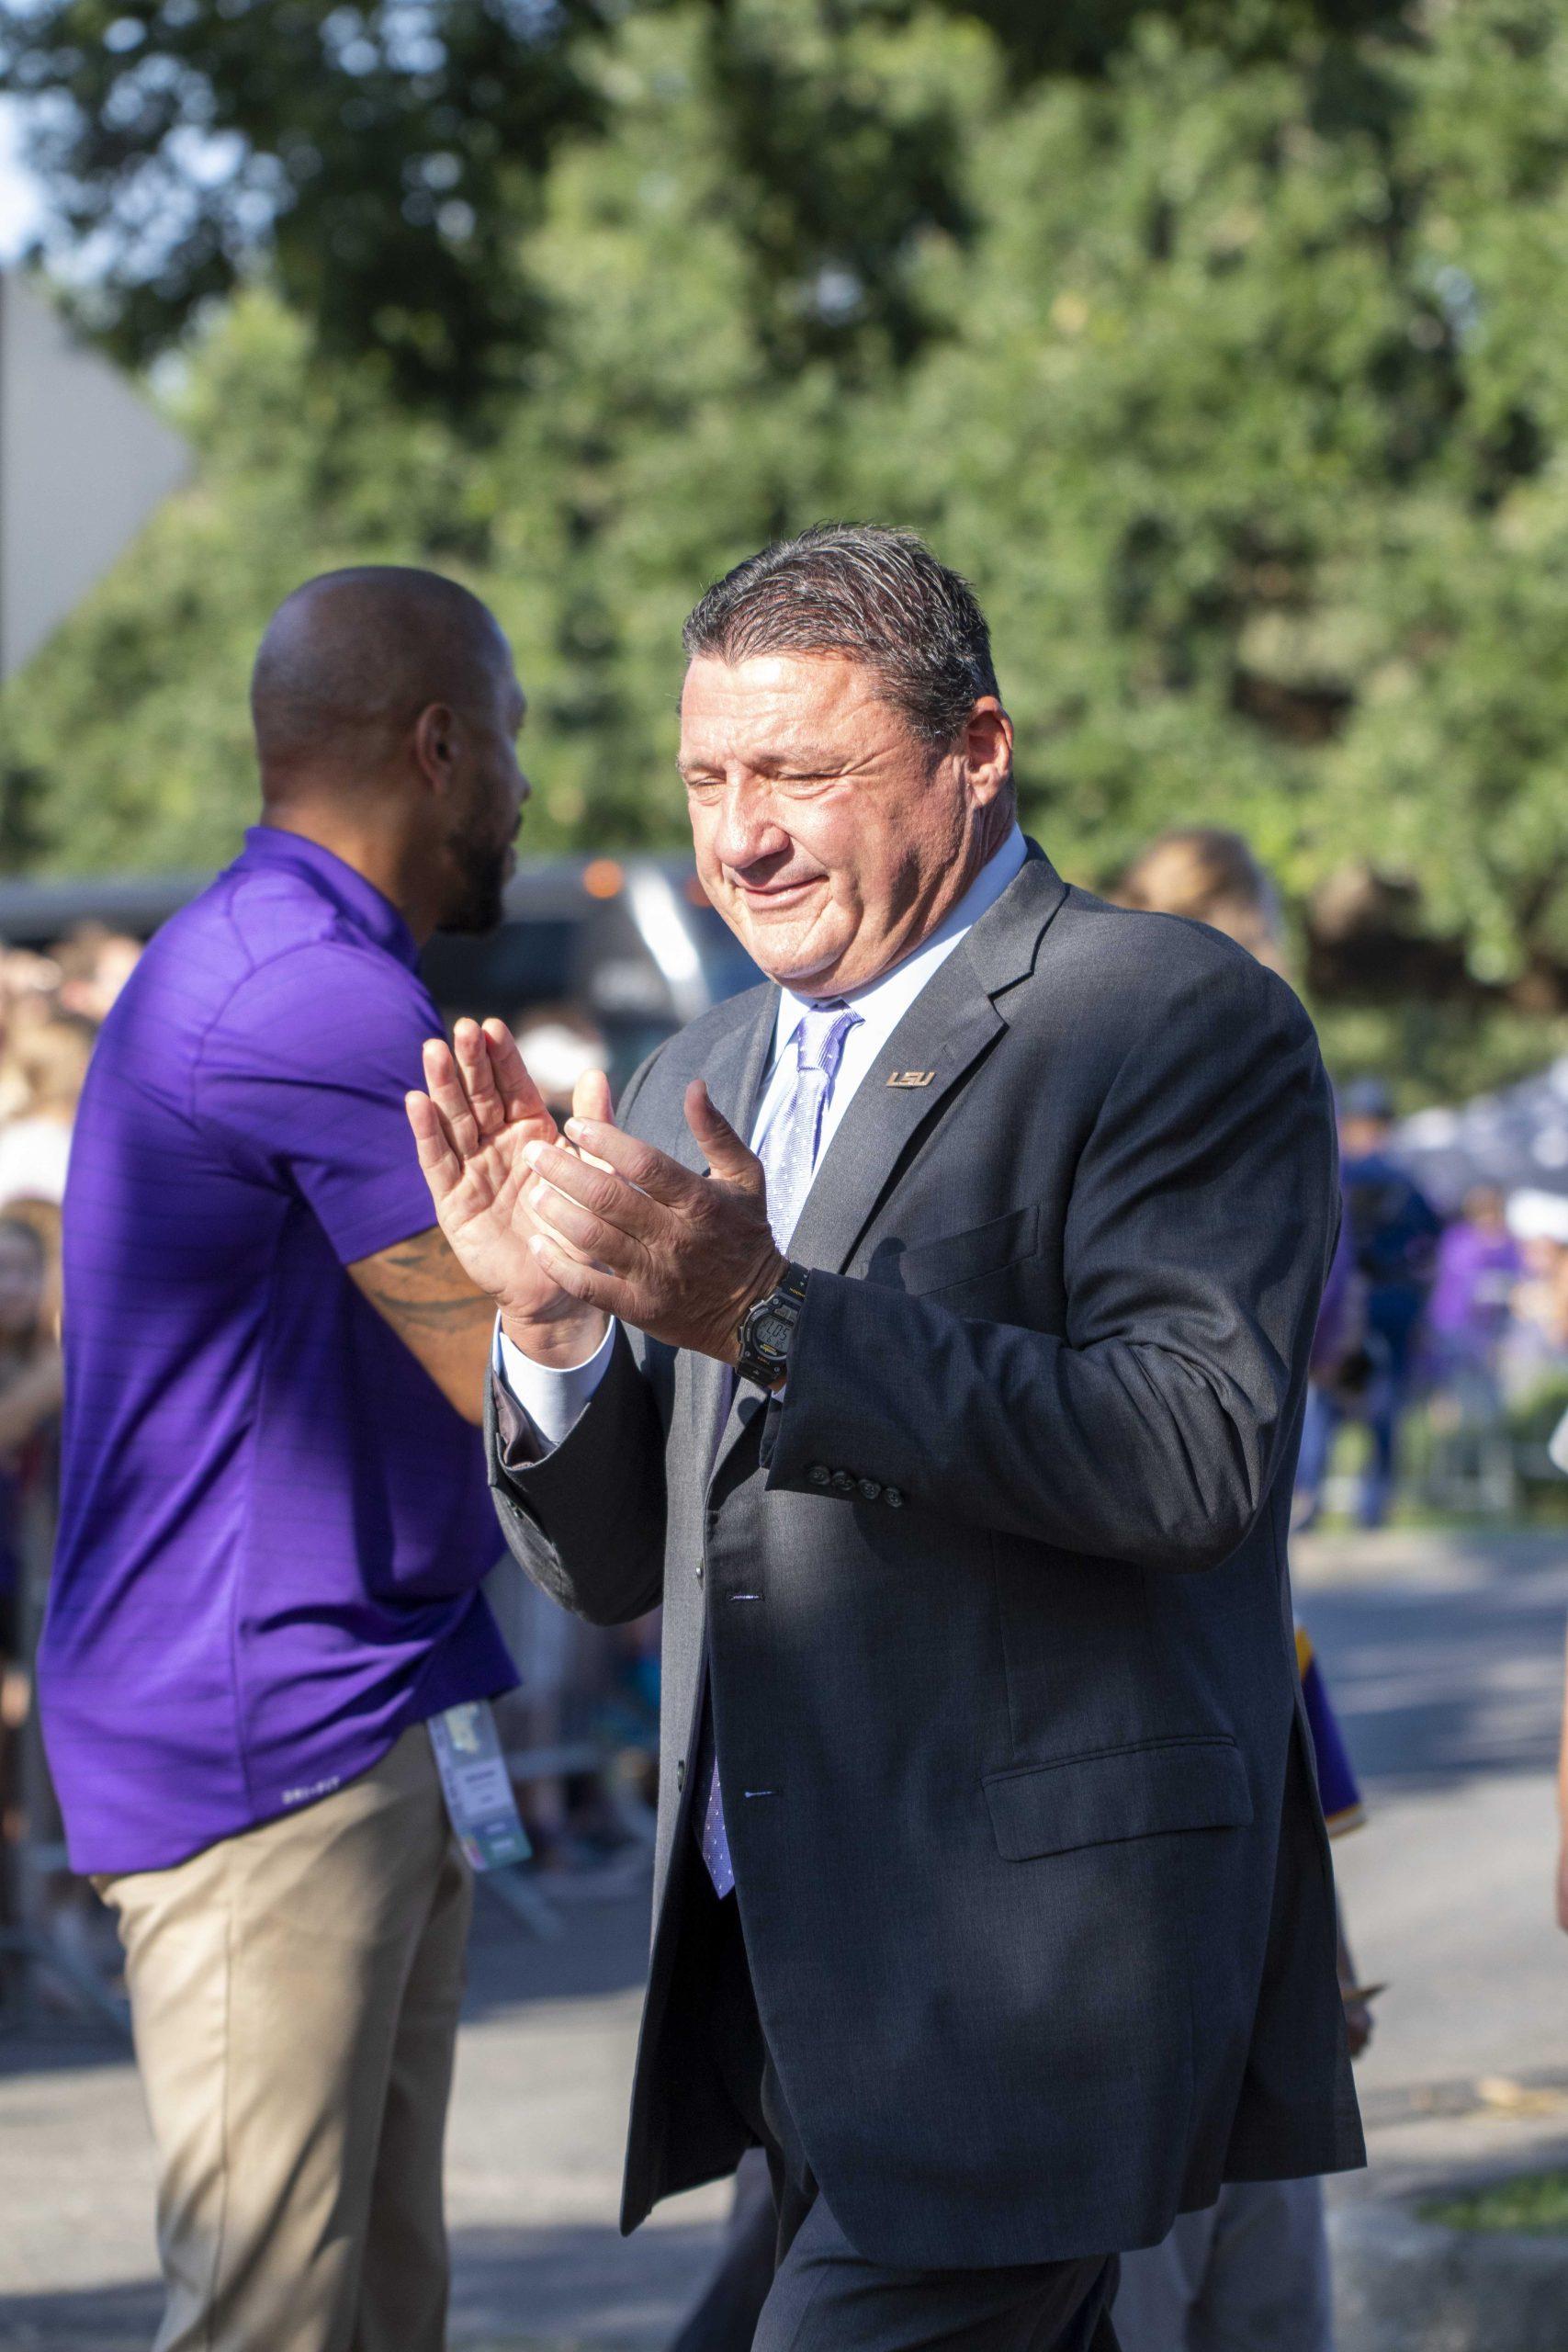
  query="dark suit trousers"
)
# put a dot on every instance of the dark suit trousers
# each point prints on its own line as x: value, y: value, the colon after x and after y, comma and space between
x: 824, y: 2297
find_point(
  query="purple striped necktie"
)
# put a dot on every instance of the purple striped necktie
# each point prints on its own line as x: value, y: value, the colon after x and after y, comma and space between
x: 789, y: 1149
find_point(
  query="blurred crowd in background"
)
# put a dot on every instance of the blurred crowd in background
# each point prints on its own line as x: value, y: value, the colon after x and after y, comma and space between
x: 51, y: 1007
x: 1441, y: 1371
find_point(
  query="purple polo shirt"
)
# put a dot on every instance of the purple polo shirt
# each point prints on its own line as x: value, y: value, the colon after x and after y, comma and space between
x: 273, y: 1525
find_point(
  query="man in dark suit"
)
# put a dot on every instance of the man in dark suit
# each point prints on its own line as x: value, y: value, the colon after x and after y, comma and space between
x: 953, y: 1418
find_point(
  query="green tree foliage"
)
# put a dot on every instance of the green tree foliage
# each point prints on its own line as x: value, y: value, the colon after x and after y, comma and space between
x: 383, y: 155
x: 383, y: 158
x: 1220, y: 347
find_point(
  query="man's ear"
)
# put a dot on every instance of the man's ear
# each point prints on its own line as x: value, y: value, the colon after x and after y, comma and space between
x: 987, y: 750
x: 436, y: 744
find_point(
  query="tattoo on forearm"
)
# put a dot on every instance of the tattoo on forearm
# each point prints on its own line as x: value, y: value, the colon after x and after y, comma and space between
x: 430, y: 1314
x: 420, y: 1289
x: 431, y: 1254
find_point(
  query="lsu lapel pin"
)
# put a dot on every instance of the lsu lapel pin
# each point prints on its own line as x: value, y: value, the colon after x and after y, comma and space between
x: 911, y: 1078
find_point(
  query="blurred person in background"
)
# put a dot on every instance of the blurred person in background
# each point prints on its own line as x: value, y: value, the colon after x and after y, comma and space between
x: 47, y: 1065
x: 31, y: 1388
x: 94, y: 964
x: 28, y: 985
x: 1479, y: 1265
x: 1209, y: 876
x: 1471, y: 1312
x: 1533, y: 1349
x: 31, y: 1370
x: 1394, y: 1232
x: 275, y: 1521
x: 1251, y: 2272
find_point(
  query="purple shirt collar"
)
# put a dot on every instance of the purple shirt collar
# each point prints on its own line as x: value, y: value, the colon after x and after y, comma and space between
x: 360, y: 901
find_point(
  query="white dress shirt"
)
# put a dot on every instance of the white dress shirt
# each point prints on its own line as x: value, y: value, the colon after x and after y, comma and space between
x: 553, y: 1397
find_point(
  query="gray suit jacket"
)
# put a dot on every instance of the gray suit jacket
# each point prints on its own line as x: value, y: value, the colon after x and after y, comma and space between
x: 1031, y: 1873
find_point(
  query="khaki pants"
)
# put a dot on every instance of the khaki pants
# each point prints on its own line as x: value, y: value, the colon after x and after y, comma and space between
x: 294, y: 1992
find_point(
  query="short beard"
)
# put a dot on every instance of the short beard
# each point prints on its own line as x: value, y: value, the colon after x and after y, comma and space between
x: 478, y: 902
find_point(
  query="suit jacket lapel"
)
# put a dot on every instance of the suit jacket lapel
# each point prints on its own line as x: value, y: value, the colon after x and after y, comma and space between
x: 734, y: 1074
x: 949, y: 1025
x: 735, y: 1069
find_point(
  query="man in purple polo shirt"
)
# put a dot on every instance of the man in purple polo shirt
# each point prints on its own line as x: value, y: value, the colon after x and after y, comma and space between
x: 274, y: 1517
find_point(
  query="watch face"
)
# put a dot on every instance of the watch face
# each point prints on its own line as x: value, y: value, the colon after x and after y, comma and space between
x: 773, y: 1332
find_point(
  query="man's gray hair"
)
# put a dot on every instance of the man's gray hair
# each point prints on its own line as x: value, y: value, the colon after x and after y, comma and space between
x: 877, y: 595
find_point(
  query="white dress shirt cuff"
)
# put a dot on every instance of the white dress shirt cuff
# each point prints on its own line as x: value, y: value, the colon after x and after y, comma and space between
x: 551, y: 1397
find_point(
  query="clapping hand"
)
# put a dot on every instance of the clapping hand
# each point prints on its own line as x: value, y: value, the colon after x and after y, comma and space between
x: 472, y: 1126
x: 622, y: 1227
x: 565, y: 1230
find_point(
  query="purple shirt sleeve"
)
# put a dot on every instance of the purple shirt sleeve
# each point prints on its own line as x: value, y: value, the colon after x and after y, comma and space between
x: 301, y: 1081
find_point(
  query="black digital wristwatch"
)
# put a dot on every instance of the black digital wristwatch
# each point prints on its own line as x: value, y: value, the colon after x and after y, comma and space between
x: 765, y: 1330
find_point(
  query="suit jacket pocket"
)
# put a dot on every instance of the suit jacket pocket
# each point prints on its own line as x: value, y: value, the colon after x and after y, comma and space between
x: 958, y: 1257
x: 1198, y: 1784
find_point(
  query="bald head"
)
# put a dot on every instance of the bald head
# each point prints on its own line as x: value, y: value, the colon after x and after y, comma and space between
x: 350, y: 661
x: 386, y: 711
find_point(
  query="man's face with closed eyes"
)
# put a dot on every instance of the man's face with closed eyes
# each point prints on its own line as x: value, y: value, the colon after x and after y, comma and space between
x: 828, y: 835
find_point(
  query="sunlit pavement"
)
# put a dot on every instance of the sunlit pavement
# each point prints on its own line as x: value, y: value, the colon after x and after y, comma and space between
x: 1444, y: 1653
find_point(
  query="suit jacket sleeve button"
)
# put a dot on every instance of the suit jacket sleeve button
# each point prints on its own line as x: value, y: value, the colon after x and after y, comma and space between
x: 842, y: 1483
x: 870, y: 1489
x: 893, y: 1498
x: 819, y: 1474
